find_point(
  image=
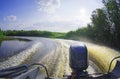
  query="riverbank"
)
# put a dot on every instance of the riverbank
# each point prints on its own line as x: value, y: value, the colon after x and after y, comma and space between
x: 2, y: 38
x: 12, y: 38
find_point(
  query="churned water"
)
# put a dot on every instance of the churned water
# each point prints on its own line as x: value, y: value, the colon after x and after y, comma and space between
x: 54, y: 54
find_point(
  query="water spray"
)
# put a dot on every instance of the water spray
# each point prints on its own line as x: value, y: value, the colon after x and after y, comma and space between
x: 78, y: 61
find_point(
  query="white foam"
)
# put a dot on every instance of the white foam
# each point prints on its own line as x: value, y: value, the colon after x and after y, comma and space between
x: 17, y: 59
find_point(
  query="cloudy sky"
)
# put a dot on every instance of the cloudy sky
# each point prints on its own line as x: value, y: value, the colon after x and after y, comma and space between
x: 50, y: 15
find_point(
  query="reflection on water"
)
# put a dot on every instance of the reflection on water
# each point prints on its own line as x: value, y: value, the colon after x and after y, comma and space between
x: 11, y: 47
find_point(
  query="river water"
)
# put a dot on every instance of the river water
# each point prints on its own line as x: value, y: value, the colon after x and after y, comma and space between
x: 53, y: 53
x: 12, y: 47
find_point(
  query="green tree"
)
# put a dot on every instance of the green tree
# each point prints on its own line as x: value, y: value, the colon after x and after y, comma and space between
x: 101, y: 26
x: 113, y: 9
x: 1, y: 33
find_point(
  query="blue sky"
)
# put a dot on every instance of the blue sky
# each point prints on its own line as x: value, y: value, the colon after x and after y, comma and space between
x: 50, y: 15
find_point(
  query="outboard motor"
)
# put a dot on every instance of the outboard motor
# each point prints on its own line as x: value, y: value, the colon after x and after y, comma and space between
x: 78, y: 57
x: 78, y: 61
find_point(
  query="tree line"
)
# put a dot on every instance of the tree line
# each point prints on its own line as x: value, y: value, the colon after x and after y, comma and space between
x: 34, y: 33
x: 105, y: 25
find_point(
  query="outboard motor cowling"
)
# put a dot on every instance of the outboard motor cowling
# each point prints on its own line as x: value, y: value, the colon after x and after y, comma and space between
x: 78, y: 57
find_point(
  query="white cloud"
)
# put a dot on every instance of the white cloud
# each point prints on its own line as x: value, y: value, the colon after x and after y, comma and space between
x: 17, y: 26
x: 49, y: 6
x: 56, y: 27
x: 82, y: 17
x: 49, y: 26
x: 1, y: 24
x: 10, y: 18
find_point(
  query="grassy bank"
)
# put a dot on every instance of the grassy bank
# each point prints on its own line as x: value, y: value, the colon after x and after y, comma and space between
x: 34, y: 33
x: 2, y: 38
x: 11, y: 38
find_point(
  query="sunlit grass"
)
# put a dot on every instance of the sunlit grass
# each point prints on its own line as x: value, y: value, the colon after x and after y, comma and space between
x: 102, y: 56
x: 3, y: 38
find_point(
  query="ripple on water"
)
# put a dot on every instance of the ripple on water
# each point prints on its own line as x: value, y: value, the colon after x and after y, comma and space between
x: 19, y: 58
